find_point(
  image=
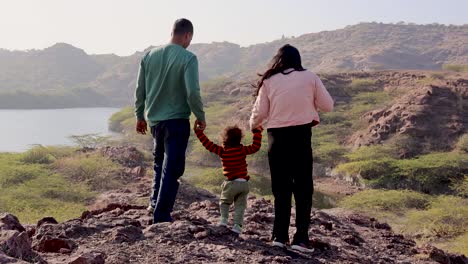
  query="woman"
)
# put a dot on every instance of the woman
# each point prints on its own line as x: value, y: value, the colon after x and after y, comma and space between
x: 288, y: 100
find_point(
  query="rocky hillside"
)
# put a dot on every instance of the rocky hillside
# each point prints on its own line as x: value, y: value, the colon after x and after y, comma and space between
x: 63, y: 71
x: 121, y: 232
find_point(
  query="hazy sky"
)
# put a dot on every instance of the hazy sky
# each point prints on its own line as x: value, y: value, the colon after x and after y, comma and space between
x: 124, y: 26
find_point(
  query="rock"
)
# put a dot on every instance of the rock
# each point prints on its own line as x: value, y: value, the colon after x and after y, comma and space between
x: 353, y: 240
x: 52, y: 238
x: 54, y: 244
x: 127, y: 234
x: 4, y: 259
x: 439, y: 256
x: 48, y: 220
x: 93, y: 257
x: 10, y: 222
x: 16, y: 244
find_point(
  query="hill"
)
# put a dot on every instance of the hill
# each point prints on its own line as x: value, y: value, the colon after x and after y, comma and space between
x: 123, y: 233
x: 63, y: 71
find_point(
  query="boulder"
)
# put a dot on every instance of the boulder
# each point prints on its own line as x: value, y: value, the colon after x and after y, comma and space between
x: 17, y: 245
x: 92, y: 257
x: 10, y: 222
x: 127, y: 234
x: 52, y: 238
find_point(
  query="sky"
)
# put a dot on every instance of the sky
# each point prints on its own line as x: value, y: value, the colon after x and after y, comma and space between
x: 125, y: 26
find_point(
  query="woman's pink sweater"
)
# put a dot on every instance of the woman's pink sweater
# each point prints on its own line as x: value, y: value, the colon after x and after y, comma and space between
x: 290, y: 100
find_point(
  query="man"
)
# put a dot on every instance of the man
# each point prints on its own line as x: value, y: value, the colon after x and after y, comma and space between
x: 167, y: 92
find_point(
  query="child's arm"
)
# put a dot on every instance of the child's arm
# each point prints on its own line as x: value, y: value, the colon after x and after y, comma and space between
x: 207, y: 143
x: 257, y: 142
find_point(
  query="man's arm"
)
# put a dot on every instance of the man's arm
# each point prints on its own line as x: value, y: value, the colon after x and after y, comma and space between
x: 256, y: 144
x: 193, y: 90
x: 140, y: 97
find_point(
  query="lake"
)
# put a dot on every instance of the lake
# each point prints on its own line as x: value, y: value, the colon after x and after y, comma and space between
x: 22, y: 128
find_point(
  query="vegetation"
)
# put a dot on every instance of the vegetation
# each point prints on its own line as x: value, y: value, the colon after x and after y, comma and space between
x: 90, y: 141
x: 57, y: 181
x: 455, y: 67
x: 432, y: 173
x: 438, y: 219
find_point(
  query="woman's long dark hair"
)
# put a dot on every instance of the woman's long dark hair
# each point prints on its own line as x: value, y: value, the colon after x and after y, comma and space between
x: 288, y: 57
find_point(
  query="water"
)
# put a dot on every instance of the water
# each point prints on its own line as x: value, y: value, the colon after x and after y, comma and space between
x: 22, y: 128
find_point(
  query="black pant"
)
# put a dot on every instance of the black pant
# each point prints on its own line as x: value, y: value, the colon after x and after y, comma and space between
x: 170, y: 143
x: 290, y: 158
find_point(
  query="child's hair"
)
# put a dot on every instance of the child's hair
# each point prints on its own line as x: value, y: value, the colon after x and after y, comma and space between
x: 232, y: 136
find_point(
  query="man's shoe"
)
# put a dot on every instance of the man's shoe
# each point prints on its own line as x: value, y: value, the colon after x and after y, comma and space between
x: 237, y: 229
x: 223, y: 222
x: 302, y: 247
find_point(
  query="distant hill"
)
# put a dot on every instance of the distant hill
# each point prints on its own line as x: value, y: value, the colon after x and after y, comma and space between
x: 366, y: 46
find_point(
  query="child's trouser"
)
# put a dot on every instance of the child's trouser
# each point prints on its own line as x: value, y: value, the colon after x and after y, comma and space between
x: 234, y: 192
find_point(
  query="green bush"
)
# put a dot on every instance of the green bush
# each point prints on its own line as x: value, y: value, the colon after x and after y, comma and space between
x: 389, y: 201
x: 445, y: 218
x: 117, y: 119
x: 461, y: 187
x: 374, y: 152
x: 455, y: 67
x: 32, y: 191
x: 434, y: 173
x: 39, y: 155
x: 462, y: 144
x: 362, y: 85
x: 94, y: 170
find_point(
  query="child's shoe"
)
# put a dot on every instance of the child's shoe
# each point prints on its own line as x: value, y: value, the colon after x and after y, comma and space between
x: 223, y: 222
x: 279, y: 244
x: 237, y: 229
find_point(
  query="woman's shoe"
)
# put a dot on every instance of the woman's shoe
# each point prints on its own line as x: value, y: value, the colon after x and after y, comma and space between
x: 302, y: 247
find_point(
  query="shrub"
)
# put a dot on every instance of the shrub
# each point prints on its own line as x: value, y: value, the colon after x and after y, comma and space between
x: 374, y: 152
x: 433, y: 173
x: 39, y: 155
x: 446, y: 218
x: 89, y: 141
x: 209, y: 179
x: 362, y: 85
x: 329, y: 153
x: 116, y: 120
x: 455, y: 67
x: 462, y: 144
x: 94, y: 170
x: 390, y: 201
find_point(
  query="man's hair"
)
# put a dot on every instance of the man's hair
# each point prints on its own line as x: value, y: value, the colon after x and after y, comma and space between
x: 232, y: 136
x: 182, y: 26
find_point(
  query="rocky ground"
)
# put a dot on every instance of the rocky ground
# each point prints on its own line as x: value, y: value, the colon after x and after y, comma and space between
x: 122, y: 232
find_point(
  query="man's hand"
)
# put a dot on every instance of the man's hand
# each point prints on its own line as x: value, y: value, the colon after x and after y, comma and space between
x: 141, y: 127
x: 258, y: 129
x: 200, y: 125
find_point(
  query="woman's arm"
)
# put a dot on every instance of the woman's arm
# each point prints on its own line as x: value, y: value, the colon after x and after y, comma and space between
x: 260, y: 109
x: 207, y: 143
x: 256, y: 144
x: 323, y: 100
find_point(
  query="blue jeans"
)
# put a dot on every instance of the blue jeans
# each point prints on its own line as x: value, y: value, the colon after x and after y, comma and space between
x: 170, y: 143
